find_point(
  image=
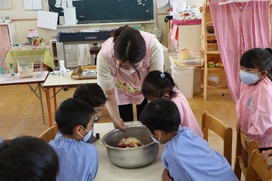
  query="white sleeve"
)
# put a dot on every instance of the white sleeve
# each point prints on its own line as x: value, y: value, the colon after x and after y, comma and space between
x: 104, y: 73
x: 156, y: 56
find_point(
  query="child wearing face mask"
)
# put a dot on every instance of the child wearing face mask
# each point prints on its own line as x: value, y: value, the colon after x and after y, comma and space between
x: 255, y: 103
x: 186, y: 156
x: 94, y: 95
x: 78, y: 160
x: 157, y: 85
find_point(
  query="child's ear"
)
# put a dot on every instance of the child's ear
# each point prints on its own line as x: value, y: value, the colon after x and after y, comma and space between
x: 77, y: 129
x: 264, y: 73
x: 166, y: 95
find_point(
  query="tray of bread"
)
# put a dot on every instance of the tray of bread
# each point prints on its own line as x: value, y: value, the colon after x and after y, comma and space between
x: 84, y: 72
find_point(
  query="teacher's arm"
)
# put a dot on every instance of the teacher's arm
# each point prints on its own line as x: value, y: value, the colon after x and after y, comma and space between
x: 113, y: 110
x: 105, y: 81
x: 156, y: 56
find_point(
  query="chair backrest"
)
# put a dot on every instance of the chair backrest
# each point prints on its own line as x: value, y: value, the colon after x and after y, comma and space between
x: 50, y: 133
x: 209, y: 122
x: 244, y: 148
x: 257, y: 168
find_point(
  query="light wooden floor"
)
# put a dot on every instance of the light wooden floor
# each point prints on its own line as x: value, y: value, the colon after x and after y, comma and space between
x: 20, y: 112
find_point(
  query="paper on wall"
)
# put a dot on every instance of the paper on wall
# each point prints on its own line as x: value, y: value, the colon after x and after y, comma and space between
x: 32, y: 5
x: 70, y: 16
x: 58, y: 4
x: 161, y: 3
x: 47, y: 20
x: 69, y: 3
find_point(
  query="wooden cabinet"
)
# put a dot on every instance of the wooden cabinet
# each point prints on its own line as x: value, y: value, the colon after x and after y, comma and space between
x: 212, y: 66
x: 56, y: 51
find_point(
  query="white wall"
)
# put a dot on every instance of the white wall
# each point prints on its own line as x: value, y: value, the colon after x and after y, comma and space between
x: 25, y: 20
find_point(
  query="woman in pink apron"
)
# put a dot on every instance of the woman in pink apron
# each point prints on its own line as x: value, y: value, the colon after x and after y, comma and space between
x: 122, y: 64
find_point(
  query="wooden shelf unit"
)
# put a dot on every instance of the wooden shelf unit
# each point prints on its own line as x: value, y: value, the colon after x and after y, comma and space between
x: 211, y: 53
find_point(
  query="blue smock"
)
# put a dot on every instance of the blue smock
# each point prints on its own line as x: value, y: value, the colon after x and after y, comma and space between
x: 189, y: 157
x: 77, y: 160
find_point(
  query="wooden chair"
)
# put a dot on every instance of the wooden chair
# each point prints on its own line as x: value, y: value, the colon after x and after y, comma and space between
x: 50, y: 133
x: 243, y: 152
x: 257, y: 168
x: 210, y: 122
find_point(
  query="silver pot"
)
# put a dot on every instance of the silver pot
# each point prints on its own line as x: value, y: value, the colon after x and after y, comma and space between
x: 131, y: 157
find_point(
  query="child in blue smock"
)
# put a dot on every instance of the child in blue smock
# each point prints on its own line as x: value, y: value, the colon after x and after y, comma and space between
x: 186, y: 156
x: 78, y: 159
x: 28, y: 158
x: 94, y: 95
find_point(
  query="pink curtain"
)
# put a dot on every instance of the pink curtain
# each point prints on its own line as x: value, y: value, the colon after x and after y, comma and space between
x: 4, y: 41
x: 239, y: 27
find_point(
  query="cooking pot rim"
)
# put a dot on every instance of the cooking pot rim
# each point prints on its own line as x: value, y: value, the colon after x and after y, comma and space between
x: 117, y: 148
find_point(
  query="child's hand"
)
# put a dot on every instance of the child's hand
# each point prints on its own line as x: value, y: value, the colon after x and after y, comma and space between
x: 269, y: 161
x: 94, y: 139
x: 166, y: 176
x: 266, y: 154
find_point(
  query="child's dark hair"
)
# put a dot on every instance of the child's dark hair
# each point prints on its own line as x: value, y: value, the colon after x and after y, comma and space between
x: 161, y: 114
x: 129, y: 45
x: 258, y: 58
x: 156, y: 83
x: 28, y: 158
x: 91, y: 93
x: 73, y: 112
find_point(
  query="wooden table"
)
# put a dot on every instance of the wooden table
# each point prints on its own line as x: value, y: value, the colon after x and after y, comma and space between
x: 38, y: 79
x: 30, y: 53
x: 55, y: 81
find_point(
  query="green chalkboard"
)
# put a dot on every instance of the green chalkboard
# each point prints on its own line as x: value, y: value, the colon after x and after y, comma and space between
x: 107, y: 11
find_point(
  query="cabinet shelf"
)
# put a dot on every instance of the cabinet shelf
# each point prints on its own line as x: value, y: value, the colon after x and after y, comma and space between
x: 216, y: 69
x: 222, y: 85
x: 211, y: 53
x: 215, y: 52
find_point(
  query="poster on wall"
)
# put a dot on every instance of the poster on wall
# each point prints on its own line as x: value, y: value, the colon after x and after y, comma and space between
x: 5, y: 4
x: 32, y: 4
x: 47, y: 20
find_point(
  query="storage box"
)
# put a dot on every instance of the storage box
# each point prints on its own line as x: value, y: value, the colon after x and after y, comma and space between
x: 195, y: 60
x: 184, y: 79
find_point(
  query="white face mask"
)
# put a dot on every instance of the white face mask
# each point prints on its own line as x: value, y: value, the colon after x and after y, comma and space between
x: 155, y: 140
x: 248, y: 78
x: 128, y: 71
x: 88, y: 135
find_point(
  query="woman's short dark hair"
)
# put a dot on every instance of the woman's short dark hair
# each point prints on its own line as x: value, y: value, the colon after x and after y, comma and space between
x: 129, y: 45
x: 161, y: 114
x: 73, y: 112
x: 91, y: 93
x: 28, y: 158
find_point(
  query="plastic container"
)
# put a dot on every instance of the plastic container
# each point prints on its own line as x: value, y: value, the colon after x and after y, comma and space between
x: 184, y: 79
x: 194, y: 61
x: 213, y: 80
x: 62, y: 68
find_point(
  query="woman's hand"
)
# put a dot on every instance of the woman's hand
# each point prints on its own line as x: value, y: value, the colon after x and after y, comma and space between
x: 118, y: 123
x: 113, y: 110
x: 166, y: 176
